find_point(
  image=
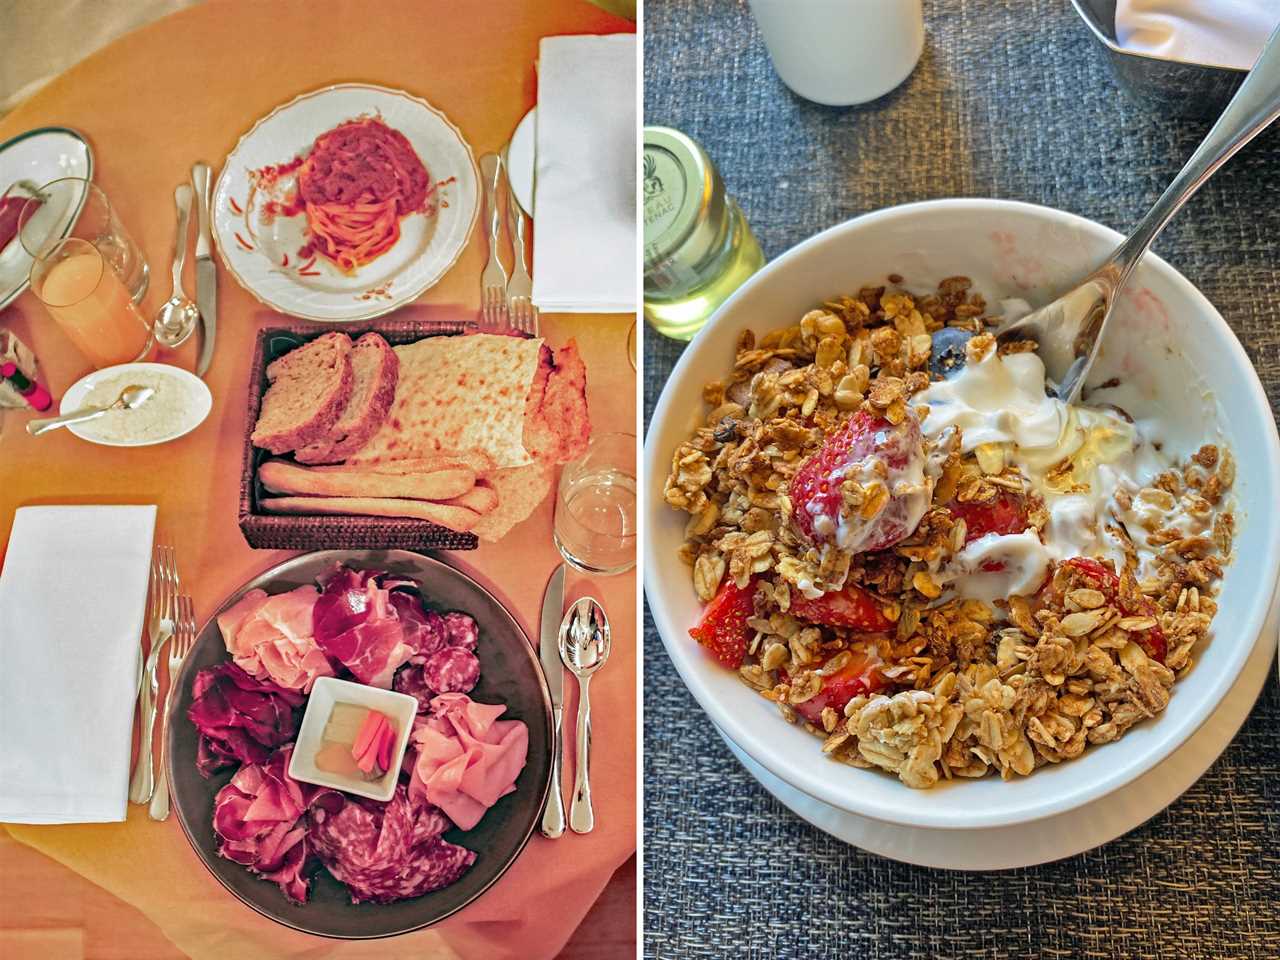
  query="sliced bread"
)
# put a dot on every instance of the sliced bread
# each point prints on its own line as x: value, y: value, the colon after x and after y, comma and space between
x: 310, y: 387
x: 376, y: 369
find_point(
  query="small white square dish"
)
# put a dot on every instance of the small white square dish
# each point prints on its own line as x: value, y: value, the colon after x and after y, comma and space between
x: 327, y: 692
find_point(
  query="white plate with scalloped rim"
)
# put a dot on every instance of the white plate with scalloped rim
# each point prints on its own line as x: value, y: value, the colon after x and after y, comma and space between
x: 261, y: 250
x: 1180, y: 361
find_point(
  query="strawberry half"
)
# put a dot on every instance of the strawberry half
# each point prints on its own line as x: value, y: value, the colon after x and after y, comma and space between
x: 861, y: 675
x: 723, y: 628
x: 1104, y: 580
x: 1004, y: 515
x: 815, y: 489
x: 851, y: 607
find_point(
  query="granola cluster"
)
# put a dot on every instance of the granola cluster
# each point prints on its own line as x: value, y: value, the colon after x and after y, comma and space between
x: 962, y: 687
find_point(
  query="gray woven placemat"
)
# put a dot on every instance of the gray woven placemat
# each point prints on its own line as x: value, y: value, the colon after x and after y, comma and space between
x: 1011, y: 99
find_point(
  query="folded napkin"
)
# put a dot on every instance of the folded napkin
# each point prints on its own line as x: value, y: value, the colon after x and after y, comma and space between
x: 584, y: 245
x: 1223, y: 33
x: 72, y: 603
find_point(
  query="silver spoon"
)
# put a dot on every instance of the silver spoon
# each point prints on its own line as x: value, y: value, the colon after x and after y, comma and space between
x: 130, y: 398
x: 1069, y: 329
x: 177, y: 318
x: 584, y: 648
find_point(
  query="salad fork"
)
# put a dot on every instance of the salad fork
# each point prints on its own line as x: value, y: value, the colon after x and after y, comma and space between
x: 164, y: 591
x: 524, y: 315
x: 493, y: 281
x: 184, y: 638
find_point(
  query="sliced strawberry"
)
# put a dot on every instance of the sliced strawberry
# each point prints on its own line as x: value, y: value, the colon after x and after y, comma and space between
x: 723, y: 628
x: 851, y: 607
x: 860, y: 675
x: 815, y: 494
x: 1104, y: 579
x: 1004, y: 515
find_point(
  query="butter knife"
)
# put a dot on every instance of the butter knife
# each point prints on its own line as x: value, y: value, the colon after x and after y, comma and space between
x: 549, y: 654
x: 206, y: 275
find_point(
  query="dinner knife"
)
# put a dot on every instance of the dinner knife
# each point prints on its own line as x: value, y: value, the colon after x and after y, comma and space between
x: 553, y: 669
x: 206, y: 275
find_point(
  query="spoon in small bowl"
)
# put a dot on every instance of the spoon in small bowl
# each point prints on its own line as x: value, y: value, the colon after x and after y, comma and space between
x: 1069, y: 330
x: 585, y: 640
x: 130, y: 398
x: 178, y: 316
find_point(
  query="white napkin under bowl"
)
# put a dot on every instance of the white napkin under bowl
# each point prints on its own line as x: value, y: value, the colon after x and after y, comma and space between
x: 72, y: 604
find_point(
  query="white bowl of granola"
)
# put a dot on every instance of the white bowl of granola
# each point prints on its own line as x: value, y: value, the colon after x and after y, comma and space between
x: 1018, y: 661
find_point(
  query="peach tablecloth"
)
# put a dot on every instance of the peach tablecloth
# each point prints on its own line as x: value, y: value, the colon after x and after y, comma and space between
x: 184, y: 89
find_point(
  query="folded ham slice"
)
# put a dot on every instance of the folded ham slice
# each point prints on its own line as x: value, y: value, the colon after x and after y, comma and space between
x: 357, y: 623
x: 271, y: 637
x: 259, y: 820
x: 388, y: 851
x: 466, y: 758
x: 240, y: 719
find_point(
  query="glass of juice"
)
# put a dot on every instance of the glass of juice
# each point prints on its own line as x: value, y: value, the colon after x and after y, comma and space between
x: 595, y: 522
x: 74, y: 207
x: 89, y: 301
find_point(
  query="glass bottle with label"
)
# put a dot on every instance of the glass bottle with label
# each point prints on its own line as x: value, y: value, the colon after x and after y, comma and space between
x: 698, y: 248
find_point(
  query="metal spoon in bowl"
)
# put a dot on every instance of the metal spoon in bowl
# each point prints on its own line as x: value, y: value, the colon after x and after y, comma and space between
x: 584, y: 647
x: 1070, y: 328
x: 177, y: 318
x: 130, y: 398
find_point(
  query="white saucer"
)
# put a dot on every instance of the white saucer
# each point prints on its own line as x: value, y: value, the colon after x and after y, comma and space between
x: 200, y: 401
x: 39, y: 156
x: 519, y: 159
x: 1053, y: 838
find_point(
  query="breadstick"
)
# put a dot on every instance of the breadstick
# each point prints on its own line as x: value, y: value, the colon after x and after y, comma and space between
x: 455, y: 518
x: 480, y: 499
x: 281, y: 476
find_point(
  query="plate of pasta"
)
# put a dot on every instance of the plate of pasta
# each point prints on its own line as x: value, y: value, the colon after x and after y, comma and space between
x: 346, y: 203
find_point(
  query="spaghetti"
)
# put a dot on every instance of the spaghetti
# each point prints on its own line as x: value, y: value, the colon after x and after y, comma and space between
x: 354, y: 186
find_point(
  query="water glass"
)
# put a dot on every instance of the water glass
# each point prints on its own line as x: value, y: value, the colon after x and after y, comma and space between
x: 90, y: 303
x: 595, y: 525
x: 74, y: 207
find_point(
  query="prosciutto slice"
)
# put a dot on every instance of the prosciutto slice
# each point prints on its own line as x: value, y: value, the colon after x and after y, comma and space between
x: 271, y: 637
x: 240, y: 719
x: 390, y: 851
x: 259, y: 820
x: 356, y: 623
x: 466, y: 757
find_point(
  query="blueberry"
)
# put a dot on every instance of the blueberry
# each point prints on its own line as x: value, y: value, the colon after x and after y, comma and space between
x: 947, y: 357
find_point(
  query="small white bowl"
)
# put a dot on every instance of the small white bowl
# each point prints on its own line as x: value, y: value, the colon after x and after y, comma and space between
x: 324, y: 694
x: 201, y: 401
x: 1184, y: 369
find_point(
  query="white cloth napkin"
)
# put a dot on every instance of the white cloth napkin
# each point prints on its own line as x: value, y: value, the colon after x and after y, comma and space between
x: 72, y: 602
x: 584, y: 239
x: 1222, y: 33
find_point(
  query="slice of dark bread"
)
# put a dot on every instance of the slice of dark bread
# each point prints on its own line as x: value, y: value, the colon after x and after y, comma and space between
x: 310, y: 387
x: 376, y: 369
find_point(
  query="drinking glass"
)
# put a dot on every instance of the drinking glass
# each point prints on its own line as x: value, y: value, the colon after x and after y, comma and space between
x: 74, y: 207
x: 90, y: 303
x: 595, y: 525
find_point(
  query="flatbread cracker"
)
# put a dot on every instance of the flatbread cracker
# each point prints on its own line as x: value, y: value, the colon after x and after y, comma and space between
x: 520, y: 491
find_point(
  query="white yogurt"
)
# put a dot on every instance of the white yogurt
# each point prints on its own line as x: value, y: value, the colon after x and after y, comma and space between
x: 1002, y: 401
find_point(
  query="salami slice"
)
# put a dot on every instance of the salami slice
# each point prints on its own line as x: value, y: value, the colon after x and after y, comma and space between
x: 460, y: 630
x: 452, y: 670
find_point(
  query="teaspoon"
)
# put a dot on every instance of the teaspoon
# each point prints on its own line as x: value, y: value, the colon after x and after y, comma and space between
x: 584, y: 647
x: 177, y: 318
x: 130, y: 398
x: 1069, y: 329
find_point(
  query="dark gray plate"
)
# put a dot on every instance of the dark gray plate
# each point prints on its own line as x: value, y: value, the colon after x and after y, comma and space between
x: 509, y: 673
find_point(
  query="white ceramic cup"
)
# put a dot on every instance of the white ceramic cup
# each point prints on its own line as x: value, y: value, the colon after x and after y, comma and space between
x: 841, y: 52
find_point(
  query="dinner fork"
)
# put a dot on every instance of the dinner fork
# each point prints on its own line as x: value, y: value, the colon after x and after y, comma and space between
x: 493, y: 282
x: 184, y: 638
x: 524, y: 315
x: 164, y: 591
